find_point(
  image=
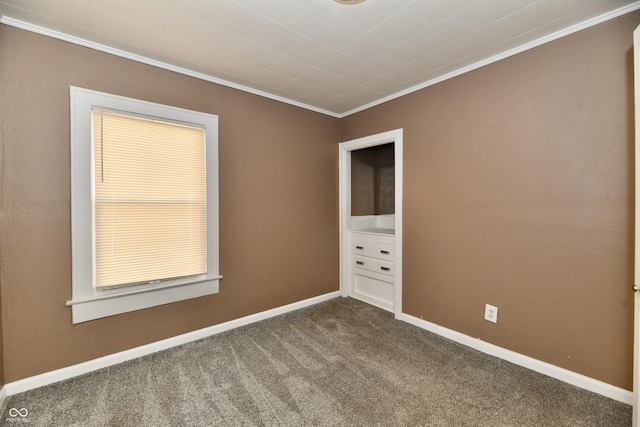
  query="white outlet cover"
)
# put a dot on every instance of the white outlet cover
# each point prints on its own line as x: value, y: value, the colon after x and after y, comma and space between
x: 491, y: 313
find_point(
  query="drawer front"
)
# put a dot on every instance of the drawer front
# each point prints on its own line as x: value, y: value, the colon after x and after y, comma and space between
x: 375, y: 265
x: 374, y: 291
x: 383, y: 251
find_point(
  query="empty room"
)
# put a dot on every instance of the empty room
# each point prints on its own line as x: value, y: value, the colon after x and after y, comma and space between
x: 319, y: 212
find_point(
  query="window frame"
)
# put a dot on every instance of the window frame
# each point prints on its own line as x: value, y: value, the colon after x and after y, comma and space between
x: 88, y: 303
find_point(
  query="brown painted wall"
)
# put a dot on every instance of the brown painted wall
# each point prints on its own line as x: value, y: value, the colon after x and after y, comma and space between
x: 365, y: 181
x: 363, y: 169
x: 278, y: 203
x: 2, y: 381
x: 518, y: 192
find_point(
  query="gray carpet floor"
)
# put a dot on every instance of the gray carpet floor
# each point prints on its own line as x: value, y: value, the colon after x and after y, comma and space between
x: 338, y: 363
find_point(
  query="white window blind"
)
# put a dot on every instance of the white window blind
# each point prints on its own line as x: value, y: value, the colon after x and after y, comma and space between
x: 149, y: 201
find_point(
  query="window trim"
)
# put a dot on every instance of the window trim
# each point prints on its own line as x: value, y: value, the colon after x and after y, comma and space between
x: 88, y: 303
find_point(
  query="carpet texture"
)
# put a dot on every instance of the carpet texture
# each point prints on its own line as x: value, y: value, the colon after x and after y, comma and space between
x: 338, y: 363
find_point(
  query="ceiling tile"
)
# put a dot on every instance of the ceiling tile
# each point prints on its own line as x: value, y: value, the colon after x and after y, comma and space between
x: 337, y: 63
x: 360, y: 94
x: 338, y: 85
x: 78, y: 15
x: 276, y: 36
x: 10, y: 4
x: 316, y: 76
x: 310, y: 51
x: 302, y: 16
x: 440, y: 57
x: 258, y: 55
x: 331, y: 56
x: 407, y: 70
x: 224, y: 14
x: 401, y: 25
x: 533, y: 16
x: 466, y: 18
x: 502, y: 8
x: 270, y: 80
x: 310, y: 91
x: 336, y: 33
x: 478, y: 41
x: 169, y: 20
x: 342, y: 102
x: 289, y: 67
x: 366, y: 47
x: 235, y: 18
x: 433, y: 11
x: 204, y: 57
x: 242, y: 69
x: 133, y: 10
x: 384, y: 58
x: 385, y: 84
x: 370, y: 14
x: 225, y: 41
x: 15, y: 9
x: 421, y: 41
x: 329, y: 5
x: 361, y: 74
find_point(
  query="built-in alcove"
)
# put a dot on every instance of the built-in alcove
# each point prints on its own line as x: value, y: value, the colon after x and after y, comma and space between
x: 371, y: 219
x: 373, y: 181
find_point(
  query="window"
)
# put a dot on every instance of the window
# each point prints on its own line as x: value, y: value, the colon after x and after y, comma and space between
x: 144, y: 204
x: 149, y: 201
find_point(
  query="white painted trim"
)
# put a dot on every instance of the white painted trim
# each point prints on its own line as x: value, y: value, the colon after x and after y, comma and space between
x: 511, y: 52
x: 635, y: 420
x: 553, y: 371
x: 344, y: 207
x: 344, y: 171
x: 373, y: 221
x: 536, y: 365
x: 149, y: 61
x: 398, y: 158
x: 87, y: 302
x: 113, y: 359
x: 558, y: 34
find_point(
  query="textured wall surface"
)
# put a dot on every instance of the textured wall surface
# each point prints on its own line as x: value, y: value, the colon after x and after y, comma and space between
x: 363, y: 194
x: 278, y: 203
x: 373, y: 181
x: 518, y: 192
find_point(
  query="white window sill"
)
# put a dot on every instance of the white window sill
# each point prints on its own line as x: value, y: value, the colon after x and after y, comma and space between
x: 98, y: 306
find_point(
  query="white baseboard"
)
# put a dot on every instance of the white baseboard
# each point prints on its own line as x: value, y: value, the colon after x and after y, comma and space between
x: 93, y: 365
x: 548, y: 369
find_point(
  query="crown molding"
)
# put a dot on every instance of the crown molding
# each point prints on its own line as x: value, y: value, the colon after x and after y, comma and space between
x: 153, y: 62
x: 206, y: 77
x: 511, y: 52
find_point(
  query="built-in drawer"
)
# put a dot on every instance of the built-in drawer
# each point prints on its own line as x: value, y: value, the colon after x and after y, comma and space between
x: 375, y: 265
x: 373, y: 249
x: 374, y: 291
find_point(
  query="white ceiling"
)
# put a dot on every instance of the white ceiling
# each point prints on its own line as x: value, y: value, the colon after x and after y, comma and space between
x: 319, y: 54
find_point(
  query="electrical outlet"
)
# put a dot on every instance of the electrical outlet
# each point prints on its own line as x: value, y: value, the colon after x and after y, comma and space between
x: 491, y: 313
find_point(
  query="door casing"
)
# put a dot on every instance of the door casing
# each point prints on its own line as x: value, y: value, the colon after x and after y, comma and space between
x: 636, y: 269
x: 346, y: 147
